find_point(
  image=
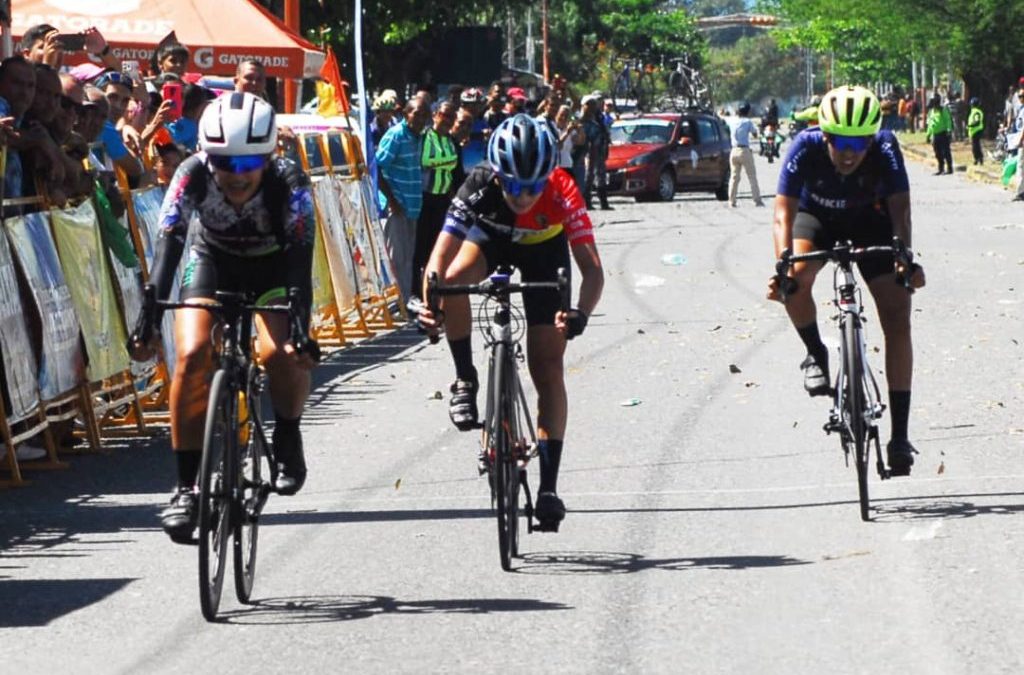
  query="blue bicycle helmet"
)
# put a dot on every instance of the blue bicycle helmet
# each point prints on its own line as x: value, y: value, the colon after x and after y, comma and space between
x: 522, y: 150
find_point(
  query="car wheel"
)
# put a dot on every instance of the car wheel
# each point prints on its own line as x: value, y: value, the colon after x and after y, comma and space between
x: 666, y: 186
x: 722, y: 191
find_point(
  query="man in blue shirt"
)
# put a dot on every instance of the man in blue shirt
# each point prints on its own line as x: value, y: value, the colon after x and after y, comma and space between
x: 401, y: 185
x: 117, y: 88
x: 741, y: 158
x: 846, y: 181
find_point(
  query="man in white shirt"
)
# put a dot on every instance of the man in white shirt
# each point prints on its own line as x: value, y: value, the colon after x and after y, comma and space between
x: 741, y: 157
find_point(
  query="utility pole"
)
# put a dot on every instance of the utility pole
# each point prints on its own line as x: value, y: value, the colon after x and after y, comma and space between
x: 292, y: 92
x: 544, y: 39
x: 510, y: 39
x: 531, y: 55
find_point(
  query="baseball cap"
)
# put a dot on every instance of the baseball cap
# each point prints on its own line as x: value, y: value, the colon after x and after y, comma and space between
x: 516, y: 92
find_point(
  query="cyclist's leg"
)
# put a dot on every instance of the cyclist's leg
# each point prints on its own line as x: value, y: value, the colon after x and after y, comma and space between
x: 545, y: 350
x: 469, y: 266
x: 189, y: 392
x: 894, y: 310
x: 809, y: 234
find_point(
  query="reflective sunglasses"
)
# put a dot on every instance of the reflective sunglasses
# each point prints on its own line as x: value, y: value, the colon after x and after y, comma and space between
x: 115, y: 77
x: 238, y: 163
x: 854, y: 143
x: 516, y: 188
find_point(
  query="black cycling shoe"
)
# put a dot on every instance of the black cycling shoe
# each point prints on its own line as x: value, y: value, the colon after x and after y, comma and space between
x: 901, y: 457
x: 816, y: 380
x: 181, y: 516
x: 462, y: 406
x: 549, y: 511
x: 290, y: 460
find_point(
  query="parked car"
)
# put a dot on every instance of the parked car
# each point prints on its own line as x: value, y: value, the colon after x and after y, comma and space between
x: 653, y: 156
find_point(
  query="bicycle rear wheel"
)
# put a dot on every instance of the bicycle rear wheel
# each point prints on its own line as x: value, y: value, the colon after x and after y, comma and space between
x: 216, y: 484
x: 855, y: 412
x: 506, y: 479
x: 253, y: 490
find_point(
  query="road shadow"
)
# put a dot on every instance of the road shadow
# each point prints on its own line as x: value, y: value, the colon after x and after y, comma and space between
x: 340, y: 608
x: 37, y: 602
x: 397, y: 515
x: 608, y: 562
x: 930, y: 507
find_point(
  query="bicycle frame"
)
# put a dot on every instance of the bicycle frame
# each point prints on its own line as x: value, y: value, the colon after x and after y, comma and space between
x: 848, y: 302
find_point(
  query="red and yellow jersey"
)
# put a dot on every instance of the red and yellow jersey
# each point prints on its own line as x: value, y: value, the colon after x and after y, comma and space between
x: 559, y: 209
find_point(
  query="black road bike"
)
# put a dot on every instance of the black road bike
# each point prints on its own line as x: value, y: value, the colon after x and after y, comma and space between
x: 509, y: 439
x: 238, y: 471
x: 857, y: 400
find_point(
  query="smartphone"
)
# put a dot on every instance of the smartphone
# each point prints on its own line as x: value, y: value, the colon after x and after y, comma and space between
x: 71, y: 42
x: 171, y: 91
x: 131, y: 69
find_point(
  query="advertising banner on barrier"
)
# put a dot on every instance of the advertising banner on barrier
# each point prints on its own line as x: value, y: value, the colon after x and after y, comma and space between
x: 129, y: 286
x: 323, y: 289
x: 85, y: 266
x: 376, y: 228
x: 336, y: 243
x: 349, y: 196
x: 18, y: 358
x: 146, y: 204
x: 62, y: 366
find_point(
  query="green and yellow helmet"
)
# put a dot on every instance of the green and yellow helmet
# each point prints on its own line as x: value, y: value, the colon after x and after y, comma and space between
x: 850, y: 111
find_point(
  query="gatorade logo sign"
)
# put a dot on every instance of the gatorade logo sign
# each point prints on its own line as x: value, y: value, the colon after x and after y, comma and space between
x: 95, y: 7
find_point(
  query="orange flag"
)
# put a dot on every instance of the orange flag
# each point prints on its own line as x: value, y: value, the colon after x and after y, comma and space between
x: 329, y: 72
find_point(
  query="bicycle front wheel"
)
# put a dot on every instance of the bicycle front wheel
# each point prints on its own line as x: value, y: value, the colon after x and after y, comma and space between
x: 253, y: 490
x: 506, y: 479
x: 216, y: 484
x: 855, y: 410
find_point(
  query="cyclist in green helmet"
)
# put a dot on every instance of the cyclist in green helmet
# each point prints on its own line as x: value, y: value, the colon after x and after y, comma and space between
x: 846, y: 180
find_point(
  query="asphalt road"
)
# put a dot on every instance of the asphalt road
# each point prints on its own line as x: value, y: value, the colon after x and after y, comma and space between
x: 713, y: 526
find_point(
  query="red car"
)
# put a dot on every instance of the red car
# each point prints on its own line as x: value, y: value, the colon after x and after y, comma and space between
x: 656, y: 155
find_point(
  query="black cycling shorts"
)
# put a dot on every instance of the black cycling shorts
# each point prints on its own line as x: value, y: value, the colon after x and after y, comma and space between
x: 209, y: 270
x: 535, y: 262
x: 863, y: 227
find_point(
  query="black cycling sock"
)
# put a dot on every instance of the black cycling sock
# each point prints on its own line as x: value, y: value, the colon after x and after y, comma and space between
x: 550, y: 452
x: 283, y: 424
x: 188, y: 466
x: 812, y: 340
x: 462, y: 352
x: 899, y: 413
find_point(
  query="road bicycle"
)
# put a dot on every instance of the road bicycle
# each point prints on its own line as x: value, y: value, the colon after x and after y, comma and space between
x: 238, y: 471
x: 509, y: 439
x: 634, y: 81
x: 686, y: 86
x: 857, y: 401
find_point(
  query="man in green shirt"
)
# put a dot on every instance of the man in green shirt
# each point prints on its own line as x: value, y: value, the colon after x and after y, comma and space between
x: 975, y: 125
x: 438, y: 163
x: 939, y: 128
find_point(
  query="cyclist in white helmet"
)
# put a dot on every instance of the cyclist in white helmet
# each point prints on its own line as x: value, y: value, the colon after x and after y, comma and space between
x: 519, y: 209
x: 255, y: 234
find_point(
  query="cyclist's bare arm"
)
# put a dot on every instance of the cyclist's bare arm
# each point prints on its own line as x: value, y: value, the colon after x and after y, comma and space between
x: 782, y: 224
x: 445, y: 249
x: 591, y: 274
x: 899, y: 211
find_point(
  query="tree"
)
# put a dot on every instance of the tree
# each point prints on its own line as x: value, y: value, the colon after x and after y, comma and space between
x: 755, y: 68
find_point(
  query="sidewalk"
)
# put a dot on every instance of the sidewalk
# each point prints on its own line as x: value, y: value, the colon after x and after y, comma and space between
x: 915, y: 147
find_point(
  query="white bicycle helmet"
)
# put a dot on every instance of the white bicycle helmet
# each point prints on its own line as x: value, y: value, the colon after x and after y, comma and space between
x: 238, y: 124
x: 522, y: 150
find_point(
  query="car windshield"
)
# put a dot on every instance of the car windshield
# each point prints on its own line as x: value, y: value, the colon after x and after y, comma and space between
x: 625, y: 132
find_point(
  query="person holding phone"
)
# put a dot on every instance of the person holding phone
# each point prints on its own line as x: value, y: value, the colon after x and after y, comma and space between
x: 43, y: 43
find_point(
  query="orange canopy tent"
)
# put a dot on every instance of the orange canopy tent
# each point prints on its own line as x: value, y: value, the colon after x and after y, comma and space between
x: 218, y: 33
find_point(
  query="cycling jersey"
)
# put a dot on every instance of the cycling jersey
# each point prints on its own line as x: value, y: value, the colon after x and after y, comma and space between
x: 559, y: 209
x: 277, y: 219
x: 809, y: 175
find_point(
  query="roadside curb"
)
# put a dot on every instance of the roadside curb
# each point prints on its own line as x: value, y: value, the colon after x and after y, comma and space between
x: 980, y: 174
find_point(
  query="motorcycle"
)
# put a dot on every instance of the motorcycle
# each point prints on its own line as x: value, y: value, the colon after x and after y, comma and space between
x: 770, y: 142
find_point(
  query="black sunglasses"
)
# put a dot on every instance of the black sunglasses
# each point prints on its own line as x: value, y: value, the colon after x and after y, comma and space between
x: 67, y: 103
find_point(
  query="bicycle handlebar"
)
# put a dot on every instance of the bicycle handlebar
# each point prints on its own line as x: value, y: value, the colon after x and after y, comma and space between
x: 228, y: 303
x: 844, y: 254
x: 498, y: 284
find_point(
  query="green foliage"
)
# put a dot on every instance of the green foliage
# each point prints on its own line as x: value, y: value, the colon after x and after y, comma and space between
x: 755, y: 68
